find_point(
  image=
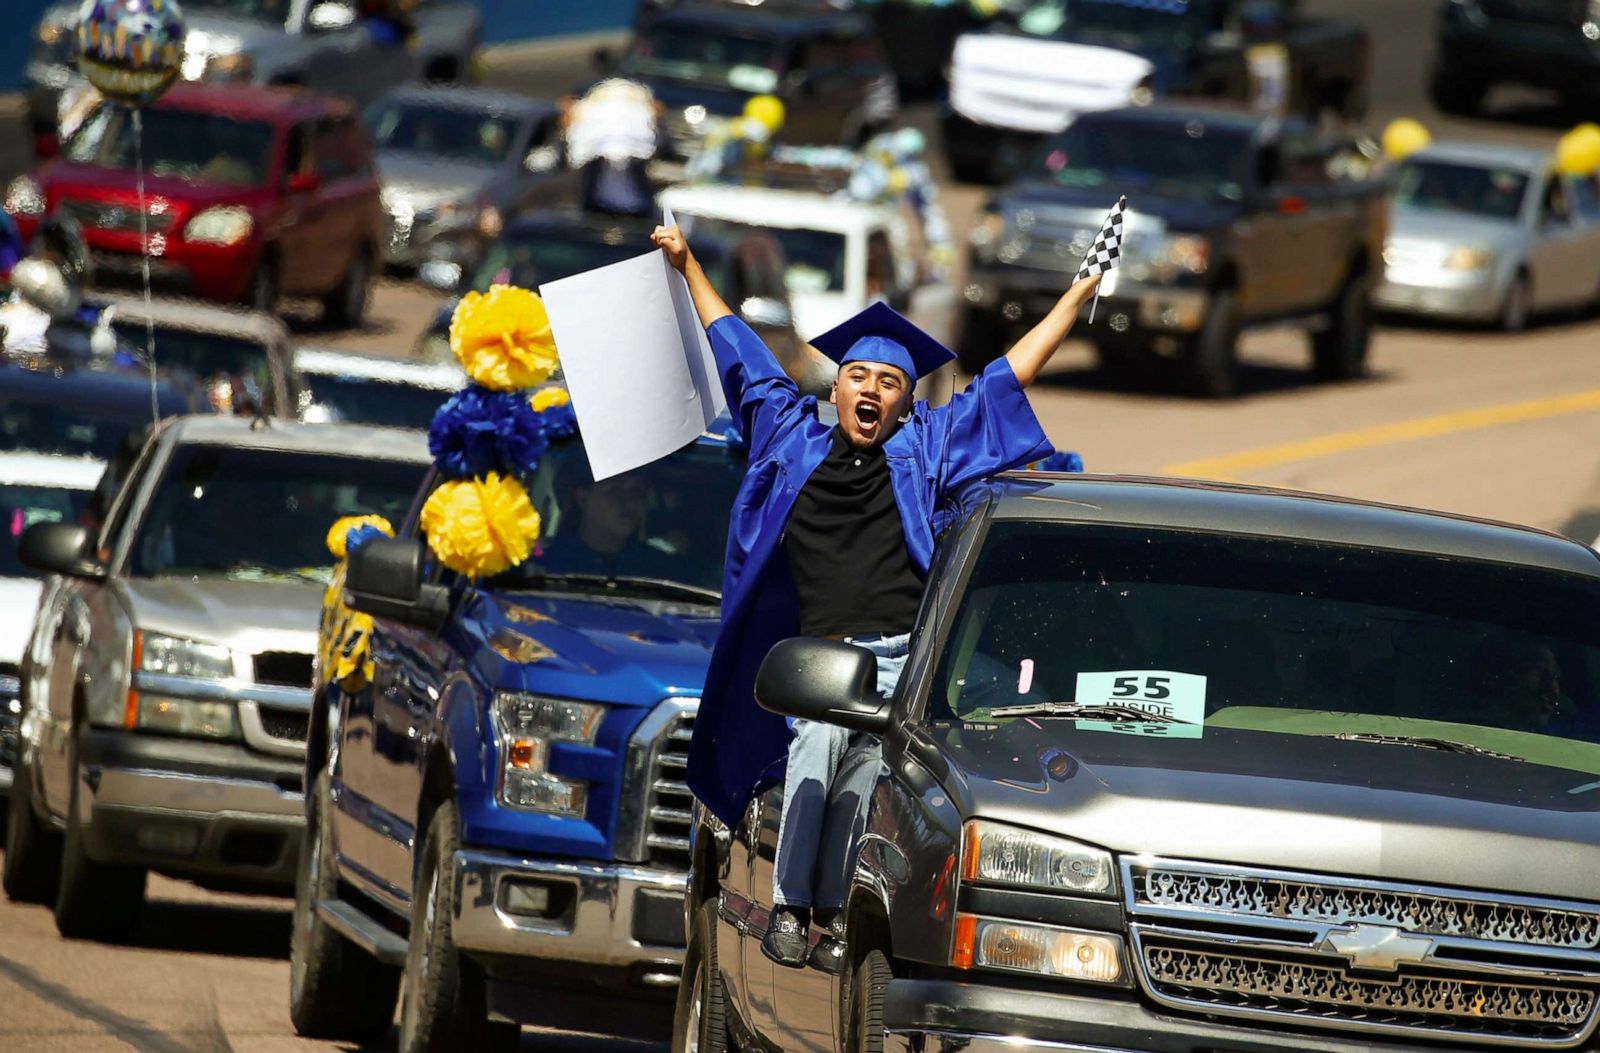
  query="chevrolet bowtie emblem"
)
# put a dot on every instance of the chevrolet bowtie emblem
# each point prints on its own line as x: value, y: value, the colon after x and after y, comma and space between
x: 1377, y: 948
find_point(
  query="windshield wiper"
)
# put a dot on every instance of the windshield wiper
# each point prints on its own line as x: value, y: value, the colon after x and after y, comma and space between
x: 1425, y: 743
x: 1115, y: 714
x: 624, y: 582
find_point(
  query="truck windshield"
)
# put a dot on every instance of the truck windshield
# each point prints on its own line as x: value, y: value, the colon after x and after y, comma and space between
x: 1194, y: 161
x: 1439, y: 186
x: 363, y: 400
x: 449, y: 132
x: 531, y: 259
x: 178, y: 144
x: 23, y: 506
x: 205, y: 354
x: 254, y: 514
x: 696, y: 53
x: 665, y: 522
x: 1229, y: 634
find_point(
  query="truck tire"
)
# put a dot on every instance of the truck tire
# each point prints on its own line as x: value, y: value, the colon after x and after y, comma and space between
x: 982, y: 332
x: 1457, y: 93
x: 346, y: 306
x: 701, y: 1020
x: 94, y: 901
x: 336, y: 990
x: 868, y: 983
x: 1339, y: 352
x: 443, y: 1004
x: 1213, y: 352
x: 33, y: 850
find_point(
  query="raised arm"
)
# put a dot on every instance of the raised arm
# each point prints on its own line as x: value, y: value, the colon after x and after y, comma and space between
x: 707, y: 303
x: 1029, y: 355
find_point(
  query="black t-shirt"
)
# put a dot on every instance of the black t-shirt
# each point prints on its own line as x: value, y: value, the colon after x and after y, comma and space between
x: 847, y: 548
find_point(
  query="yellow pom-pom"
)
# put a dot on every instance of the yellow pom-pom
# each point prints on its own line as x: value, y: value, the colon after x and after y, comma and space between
x: 767, y: 111
x: 1578, y: 152
x: 546, y: 398
x: 339, y: 533
x: 502, y: 338
x: 1403, y: 137
x: 480, y: 527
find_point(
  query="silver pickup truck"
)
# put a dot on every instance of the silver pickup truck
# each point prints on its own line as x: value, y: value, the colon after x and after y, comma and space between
x: 166, y: 688
x: 321, y: 44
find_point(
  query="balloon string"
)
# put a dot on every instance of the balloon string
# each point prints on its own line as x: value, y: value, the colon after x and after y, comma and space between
x: 144, y: 261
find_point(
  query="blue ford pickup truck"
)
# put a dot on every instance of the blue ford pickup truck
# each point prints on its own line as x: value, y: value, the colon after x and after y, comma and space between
x: 497, y: 818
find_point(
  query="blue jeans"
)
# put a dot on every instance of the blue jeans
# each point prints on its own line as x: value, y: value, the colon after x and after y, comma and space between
x: 814, y: 756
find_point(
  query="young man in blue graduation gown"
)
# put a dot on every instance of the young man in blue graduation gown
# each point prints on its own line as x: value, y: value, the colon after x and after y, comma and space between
x: 831, y: 535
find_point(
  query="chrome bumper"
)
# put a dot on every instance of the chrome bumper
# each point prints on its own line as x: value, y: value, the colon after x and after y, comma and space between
x: 1477, y: 302
x: 606, y: 915
x: 1025, y: 295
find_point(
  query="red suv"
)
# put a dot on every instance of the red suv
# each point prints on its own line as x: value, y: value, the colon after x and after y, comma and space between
x: 250, y: 193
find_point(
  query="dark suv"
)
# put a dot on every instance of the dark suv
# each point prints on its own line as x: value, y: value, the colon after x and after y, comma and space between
x: 1181, y: 768
x: 705, y: 58
x: 251, y: 192
x: 1552, y: 44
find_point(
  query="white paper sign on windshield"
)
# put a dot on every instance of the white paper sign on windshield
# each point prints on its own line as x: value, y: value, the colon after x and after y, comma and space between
x: 1180, y: 697
x: 636, y: 360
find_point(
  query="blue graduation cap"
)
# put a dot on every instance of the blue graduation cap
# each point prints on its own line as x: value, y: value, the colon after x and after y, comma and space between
x: 882, y: 334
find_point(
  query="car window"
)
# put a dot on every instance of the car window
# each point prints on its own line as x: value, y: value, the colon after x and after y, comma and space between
x: 1119, y: 156
x: 276, y: 11
x: 208, y: 355
x: 1585, y: 192
x: 1442, y: 186
x: 59, y: 419
x: 21, y: 506
x: 330, y: 145
x: 177, y: 144
x: 253, y: 514
x: 1276, y: 637
x: 703, y: 55
x: 530, y: 259
x: 882, y: 273
x: 1554, y: 205
x: 448, y: 132
x: 361, y: 400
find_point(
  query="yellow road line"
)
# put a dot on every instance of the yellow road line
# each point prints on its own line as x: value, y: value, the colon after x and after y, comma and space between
x: 1231, y: 466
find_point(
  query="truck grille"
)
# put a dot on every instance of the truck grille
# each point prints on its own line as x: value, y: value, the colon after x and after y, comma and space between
x: 670, y: 803
x: 283, y: 668
x: 288, y: 724
x: 1346, y: 953
x: 1311, y: 992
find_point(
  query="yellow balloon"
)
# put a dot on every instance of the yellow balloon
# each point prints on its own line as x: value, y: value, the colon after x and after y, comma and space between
x: 1403, y: 137
x: 767, y: 111
x: 1578, y: 152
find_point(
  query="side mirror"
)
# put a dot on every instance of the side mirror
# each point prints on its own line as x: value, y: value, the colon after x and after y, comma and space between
x: 824, y: 680
x: 303, y: 182
x: 384, y: 579
x: 328, y: 16
x: 59, y: 548
x: 766, y: 312
x: 443, y: 275
x: 543, y: 158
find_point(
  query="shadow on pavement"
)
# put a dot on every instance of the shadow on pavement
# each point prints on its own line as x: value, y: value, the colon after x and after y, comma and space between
x: 210, y: 928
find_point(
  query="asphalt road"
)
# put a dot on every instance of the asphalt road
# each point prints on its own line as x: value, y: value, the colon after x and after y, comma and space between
x: 1507, y: 427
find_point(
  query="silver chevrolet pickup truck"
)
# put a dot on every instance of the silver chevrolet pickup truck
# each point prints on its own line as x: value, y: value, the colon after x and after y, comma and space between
x: 166, y: 688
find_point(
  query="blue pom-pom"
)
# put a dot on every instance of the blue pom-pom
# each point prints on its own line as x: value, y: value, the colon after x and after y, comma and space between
x: 479, y: 431
x: 1062, y: 461
x: 358, y: 536
x: 558, y: 422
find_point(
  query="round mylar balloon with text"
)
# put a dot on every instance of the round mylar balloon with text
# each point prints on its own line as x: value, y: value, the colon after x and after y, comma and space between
x: 130, y: 50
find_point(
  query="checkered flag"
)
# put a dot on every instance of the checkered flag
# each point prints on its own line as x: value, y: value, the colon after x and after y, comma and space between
x: 1106, y: 252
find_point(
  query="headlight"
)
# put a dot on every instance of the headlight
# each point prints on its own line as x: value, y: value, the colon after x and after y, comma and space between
x: 527, y: 726
x: 220, y: 225
x: 1468, y: 259
x: 1188, y: 252
x: 24, y: 197
x: 992, y: 854
x: 187, y: 716
x: 170, y: 656
x: 232, y: 66
x: 694, y: 116
x: 1042, y: 950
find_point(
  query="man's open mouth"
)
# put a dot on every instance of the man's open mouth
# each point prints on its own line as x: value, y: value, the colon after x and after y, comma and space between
x: 868, y: 415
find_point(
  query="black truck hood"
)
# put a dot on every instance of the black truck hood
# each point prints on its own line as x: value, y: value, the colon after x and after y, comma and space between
x: 1292, y: 802
x: 1181, y: 214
